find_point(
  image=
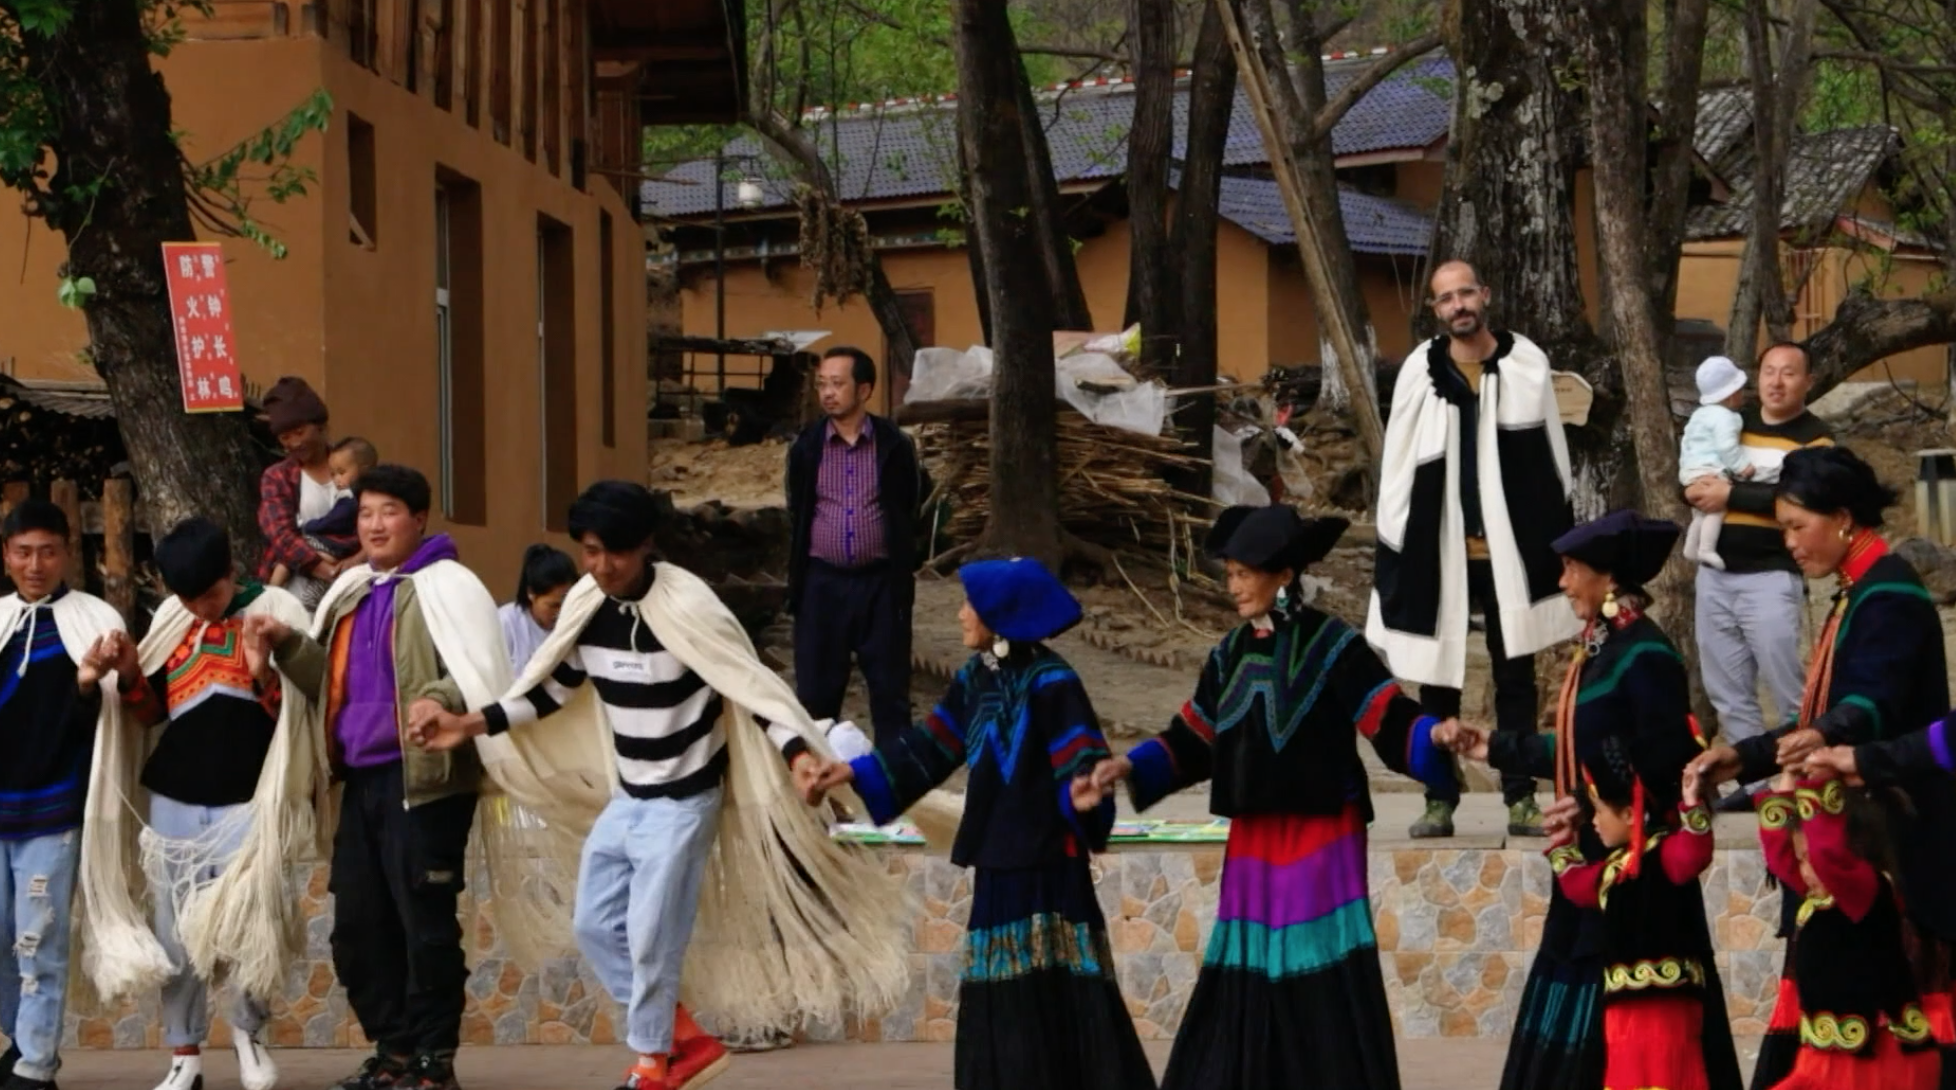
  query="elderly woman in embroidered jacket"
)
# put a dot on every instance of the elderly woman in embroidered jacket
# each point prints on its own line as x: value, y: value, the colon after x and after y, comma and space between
x: 1625, y: 688
x: 1039, y: 1008
x: 1877, y: 674
x: 1290, y: 993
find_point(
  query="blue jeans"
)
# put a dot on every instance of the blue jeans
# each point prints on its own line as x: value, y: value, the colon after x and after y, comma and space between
x: 186, y: 1010
x: 37, y: 888
x: 638, y: 890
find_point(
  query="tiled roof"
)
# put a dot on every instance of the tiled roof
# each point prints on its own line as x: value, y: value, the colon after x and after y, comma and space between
x: 1724, y: 119
x: 909, y: 150
x: 1375, y: 225
x: 1825, y: 173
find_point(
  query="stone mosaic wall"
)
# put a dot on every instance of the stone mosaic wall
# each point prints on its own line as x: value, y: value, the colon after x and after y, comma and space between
x: 1457, y: 927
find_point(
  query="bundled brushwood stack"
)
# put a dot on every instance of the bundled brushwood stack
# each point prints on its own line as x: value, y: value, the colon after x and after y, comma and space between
x: 1113, y: 483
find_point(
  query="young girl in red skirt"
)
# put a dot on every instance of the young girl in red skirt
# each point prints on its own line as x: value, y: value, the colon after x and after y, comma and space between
x: 1656, y: 946
x: 1862, y: 1024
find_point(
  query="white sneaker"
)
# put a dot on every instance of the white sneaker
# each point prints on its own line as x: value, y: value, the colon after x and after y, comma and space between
x: 186, y: 1073
x: 1711, y: 560
x: 255, y: 1067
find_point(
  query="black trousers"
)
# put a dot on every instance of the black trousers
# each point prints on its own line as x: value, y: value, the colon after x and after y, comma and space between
x: 1515, y: 701
x: 397, y: 945
x: 849, y: 618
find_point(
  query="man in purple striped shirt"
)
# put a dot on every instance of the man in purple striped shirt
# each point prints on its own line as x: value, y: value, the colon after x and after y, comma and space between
x: 854, y: 489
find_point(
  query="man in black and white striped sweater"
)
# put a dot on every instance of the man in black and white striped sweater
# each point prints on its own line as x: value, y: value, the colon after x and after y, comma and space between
x: 643, y: 863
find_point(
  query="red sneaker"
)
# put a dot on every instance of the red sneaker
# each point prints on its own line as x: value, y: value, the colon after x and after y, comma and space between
x: 695, y: 1062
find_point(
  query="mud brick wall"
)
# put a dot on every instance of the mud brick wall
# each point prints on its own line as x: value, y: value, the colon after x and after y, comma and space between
x: 1457, y: 928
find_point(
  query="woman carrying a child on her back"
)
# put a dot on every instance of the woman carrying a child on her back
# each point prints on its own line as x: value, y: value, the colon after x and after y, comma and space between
x: 1711, y: 448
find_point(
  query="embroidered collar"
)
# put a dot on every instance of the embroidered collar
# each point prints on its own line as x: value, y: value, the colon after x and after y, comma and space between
x: 1866, y: 548
x: 1597, y: 631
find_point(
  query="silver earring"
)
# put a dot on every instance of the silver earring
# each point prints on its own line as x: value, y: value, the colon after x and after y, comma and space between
x: 1001, y: 647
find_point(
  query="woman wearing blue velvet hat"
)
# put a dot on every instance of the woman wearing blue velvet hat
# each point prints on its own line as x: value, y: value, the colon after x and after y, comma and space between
x: 1290, y: 993
x: 1039, y: 1008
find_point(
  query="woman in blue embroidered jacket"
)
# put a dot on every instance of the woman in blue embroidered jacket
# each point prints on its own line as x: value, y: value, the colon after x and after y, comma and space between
x: 1877, y: 673
x: 1039, y: 1007
x: 1290, y: 993
x: 1625, y: 689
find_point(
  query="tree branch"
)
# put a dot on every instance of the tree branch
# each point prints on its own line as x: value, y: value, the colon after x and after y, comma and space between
x: 1866, y: 329
x: 1374, y: 74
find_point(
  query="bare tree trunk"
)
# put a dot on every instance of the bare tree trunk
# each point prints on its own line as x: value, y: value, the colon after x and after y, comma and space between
x: 114, y: 126
x: 1266, y: 86
x: 1776, y: 89
x: 974, y: 253
x: 1618, y: 120
x: 1024, y: 518
x: 1048, y: 215
x: 1508, y: 207
x: 792, y: 145
x: 1684, y: 64
x: 1150, y: 139
x: 1296, y: 76
x: 1212, y: 94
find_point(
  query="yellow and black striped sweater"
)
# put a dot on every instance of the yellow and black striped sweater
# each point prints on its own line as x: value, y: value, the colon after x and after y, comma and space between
x: 1751, y: 541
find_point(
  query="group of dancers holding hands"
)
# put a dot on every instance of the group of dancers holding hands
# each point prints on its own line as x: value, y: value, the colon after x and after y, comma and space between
x: 1857, y: 825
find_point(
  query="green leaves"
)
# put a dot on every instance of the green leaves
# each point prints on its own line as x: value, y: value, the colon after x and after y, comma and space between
x: 223, y: 183
x: 75, y: 291
x: 44, y: 17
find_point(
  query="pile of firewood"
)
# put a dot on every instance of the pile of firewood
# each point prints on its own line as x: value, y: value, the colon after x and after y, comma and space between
x: 1114, y: 490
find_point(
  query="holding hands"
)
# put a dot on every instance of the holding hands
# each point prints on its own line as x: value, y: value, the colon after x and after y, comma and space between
x: 816, y: 776
x: 1461, y: 739
x: 1835, y: 761
x: 1559, y: 820
x: 110, y: 651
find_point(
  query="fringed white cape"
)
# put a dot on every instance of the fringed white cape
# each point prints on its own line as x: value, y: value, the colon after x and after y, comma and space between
x: 113, y: 952
x: 250, y: 903
x: 769, y: 948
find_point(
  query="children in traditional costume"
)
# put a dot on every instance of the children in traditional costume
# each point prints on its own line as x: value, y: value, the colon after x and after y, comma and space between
x: 1039, y: 1007
x: 1625, y: 687
x: 1290, y: 993
x: 1655, y: 945
x: 647, y: 727
x: 1862, y: 1025
x: 1877, y: 673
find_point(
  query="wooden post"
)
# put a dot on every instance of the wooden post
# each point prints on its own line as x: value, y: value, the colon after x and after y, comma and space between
x: 1354, y: 360
x: 550, y: 56
x: 11, y: 495
x: 68, y: 497
x: 427, y: 52
x: 523, y: 35
x: 119, y: 545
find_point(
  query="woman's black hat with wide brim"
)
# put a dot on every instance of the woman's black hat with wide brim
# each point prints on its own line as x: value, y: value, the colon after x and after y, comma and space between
x: 1273, y: 538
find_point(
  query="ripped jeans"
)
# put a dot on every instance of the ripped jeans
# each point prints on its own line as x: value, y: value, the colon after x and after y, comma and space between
x: 37, y: 887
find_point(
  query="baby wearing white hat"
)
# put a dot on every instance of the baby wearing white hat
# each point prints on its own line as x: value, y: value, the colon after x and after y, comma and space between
x: 1711, y: 448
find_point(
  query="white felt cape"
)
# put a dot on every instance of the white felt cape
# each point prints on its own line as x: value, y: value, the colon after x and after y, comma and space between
x: 113, y: 948
x: 247, y: 922
x: 461, y: 617
x: 769, y: 947
x: 1426, y: 428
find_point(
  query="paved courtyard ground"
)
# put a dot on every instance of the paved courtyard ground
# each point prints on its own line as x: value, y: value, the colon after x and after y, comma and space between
x: 1437, y: 1064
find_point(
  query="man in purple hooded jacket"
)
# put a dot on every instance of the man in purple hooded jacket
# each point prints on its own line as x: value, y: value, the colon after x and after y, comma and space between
x: 405, y: 814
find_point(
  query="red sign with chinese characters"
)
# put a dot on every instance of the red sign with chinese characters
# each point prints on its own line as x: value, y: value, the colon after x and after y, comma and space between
x: 200, y: 305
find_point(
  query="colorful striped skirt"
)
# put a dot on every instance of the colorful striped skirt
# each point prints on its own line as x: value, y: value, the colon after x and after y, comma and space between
x: 1039, y: 1007
x: 1290, y: 993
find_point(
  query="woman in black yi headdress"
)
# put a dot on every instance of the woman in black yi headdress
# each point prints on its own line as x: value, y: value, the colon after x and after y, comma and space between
x: 1877, y: 672
x: 1625, y: 687
x: 1290, y: 993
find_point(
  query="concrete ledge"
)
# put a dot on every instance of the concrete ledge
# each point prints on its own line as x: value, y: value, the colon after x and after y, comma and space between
x: 1457, y: 921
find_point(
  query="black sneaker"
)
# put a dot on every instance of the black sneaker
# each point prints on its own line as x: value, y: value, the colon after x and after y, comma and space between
x: 22, y: 1082
x: 7, y: 1061
x: 378, y: 1072
x: 429, y: 1071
